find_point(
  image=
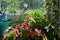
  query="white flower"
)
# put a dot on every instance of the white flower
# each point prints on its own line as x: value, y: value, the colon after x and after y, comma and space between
x: 6, y: 30
x: 9, y: 27
x: 25, y: 5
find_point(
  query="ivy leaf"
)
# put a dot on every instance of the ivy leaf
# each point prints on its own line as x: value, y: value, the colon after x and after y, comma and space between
x: 47, y: 30
x: 46, y: 27
x: 53, y: 27
x: 47, y: 6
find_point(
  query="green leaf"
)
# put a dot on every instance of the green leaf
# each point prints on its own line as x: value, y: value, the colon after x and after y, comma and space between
x: 47, y: 30
x: 47, y: 6
x: 46, y: 27
x: 53, y: 27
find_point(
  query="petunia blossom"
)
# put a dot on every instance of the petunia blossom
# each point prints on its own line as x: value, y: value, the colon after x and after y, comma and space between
x: 18, y: 26
x: 16, y: 32
x: 31, y: 34
x: 25, y: 25
x: 38, y: 32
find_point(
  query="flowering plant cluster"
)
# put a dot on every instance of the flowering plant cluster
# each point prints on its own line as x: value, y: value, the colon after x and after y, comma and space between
x: 35, y: 27
x: 25, y: 32
x: 28, y: 32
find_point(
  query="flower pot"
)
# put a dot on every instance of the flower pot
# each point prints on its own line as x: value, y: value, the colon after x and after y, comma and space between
x: 4, y: 25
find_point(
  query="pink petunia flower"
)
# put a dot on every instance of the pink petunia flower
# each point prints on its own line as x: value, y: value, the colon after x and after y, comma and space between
x: 31, y: 34
x: 16, y: 32
x: 18, y: 26
x: 26, y: 26
x: 38, y: 32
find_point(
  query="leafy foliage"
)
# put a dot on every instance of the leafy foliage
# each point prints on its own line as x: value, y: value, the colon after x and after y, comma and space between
x: 40, y: 18
x: 10, y: 35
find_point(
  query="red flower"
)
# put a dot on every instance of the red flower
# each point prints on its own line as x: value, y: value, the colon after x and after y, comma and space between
x: 31, y: 34
x: 26, y: 27
x: 16, y: 32
x: 18, y: 26
x: 38, y: 32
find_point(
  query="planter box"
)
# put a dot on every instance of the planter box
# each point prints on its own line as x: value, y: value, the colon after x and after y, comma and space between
x: 4, y: 25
